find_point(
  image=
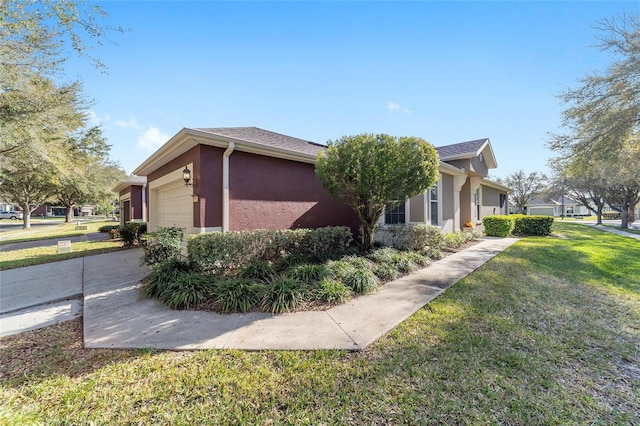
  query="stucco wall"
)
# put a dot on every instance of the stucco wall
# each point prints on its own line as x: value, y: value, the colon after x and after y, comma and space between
x: 465, y: 203
x: 271, y: 193
x: 491, y: 201
x: 448, y: 213
x: 416, y: 208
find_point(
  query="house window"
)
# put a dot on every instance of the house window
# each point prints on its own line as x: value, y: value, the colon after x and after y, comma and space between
x: 478, y: 202
x: 395, y: 215
x: 503, y: 199
x: 433, y: 202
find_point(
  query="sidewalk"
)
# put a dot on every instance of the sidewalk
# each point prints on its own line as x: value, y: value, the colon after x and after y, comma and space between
x: 116, y: 317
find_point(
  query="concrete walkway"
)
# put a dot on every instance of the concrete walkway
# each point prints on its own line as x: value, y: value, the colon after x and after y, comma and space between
x: 115, y: 316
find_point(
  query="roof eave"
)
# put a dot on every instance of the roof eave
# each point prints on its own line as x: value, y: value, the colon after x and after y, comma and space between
x: 188, y: 138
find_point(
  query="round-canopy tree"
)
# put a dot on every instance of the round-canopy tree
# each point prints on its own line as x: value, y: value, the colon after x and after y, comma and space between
x: 369, y: 172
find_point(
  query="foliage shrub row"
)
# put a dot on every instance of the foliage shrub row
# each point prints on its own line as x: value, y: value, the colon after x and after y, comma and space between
x: 426, y: 239
x: 498, y: 226
x: 502, y: 226
x: 223, y: 253
x: 272, y: 286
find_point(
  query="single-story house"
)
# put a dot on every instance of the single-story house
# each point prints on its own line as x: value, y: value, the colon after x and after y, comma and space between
x: 132, y: 199
x: 555, y: 206
x: 239, y: 178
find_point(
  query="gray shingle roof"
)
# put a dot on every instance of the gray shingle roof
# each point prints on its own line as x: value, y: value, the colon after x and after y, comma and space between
x: 265, y: 137
x: 460, y: 149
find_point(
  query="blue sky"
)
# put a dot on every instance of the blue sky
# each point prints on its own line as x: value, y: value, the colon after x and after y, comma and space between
x: 445, y: 71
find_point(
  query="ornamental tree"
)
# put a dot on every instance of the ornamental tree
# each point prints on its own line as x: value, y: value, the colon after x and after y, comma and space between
x: 370, y: 172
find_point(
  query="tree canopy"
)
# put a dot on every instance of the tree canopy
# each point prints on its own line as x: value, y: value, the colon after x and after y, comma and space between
x: 602, y: 119
x: 370, y: 172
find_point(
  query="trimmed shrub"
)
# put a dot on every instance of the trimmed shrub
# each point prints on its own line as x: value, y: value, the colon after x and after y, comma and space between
x: 236, y: 295
x: 332, y: 291
x: 358, y: 262
x: 426, y: 236
x: 611, y: 215
x: 224, y: 253
x: 532, y: 225
x: 161, y: 245
x: 131, y: 232
x: 283, y: 295
x: 107, y: 228
x: 498, y: 226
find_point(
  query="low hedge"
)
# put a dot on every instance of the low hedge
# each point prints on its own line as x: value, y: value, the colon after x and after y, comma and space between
x: 498, y: 226
x: 517, y: 224
x: 532, y: 225
x: 220, y: 253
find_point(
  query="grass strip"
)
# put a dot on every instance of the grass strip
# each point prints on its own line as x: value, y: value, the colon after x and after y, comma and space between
x: 545, y: 333
x: 39, y: 255
x: 61, y: 231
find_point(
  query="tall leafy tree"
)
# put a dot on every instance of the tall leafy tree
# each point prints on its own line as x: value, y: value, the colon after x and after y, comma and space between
x: 370, y: 172
x: 602, y: 117
x: 524, y: 187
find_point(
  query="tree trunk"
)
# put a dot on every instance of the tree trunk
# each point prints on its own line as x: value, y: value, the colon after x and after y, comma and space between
x: 624, y: 215
x: 367, y: 237
x: 26, y: 216
x: 69, y: 214
x: 599, y: 216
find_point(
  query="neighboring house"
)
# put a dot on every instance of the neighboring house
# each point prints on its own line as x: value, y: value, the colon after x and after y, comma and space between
x: 554, y: 207
x: 241, y: 178
x: 132, y: 199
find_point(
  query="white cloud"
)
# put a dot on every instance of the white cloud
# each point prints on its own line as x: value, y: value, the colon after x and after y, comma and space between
x: 132, y: 123
x: 152, y: 139
x: 392, y: 106
x: 95, y: 120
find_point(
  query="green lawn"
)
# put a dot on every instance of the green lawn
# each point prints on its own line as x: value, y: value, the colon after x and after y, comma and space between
x: 53, y: 232
x: 546, y: 333
x: 39, y: 255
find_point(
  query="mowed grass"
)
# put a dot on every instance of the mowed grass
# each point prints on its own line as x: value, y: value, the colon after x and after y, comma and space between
x: 46, y: 254
x: 52, y: 232
x: 548, y: 332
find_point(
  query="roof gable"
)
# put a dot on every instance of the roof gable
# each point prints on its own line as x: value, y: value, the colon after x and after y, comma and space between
x: 468, y: 150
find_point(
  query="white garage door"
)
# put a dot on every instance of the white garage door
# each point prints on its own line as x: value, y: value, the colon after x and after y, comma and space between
x: 175, y: 207
x: 542, y: 211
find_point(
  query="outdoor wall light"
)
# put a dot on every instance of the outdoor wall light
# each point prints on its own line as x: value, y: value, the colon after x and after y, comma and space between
x: 186, y: 175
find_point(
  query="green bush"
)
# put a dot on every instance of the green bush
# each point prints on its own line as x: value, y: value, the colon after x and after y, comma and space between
x: 498, y: 226
x: 360, y: 280
x: 457, y: 239
x: 107, y: 228
x: 131, y: 232
x: 283, y: 294
x: 308, y: 273
x: 188, y: 290
x: 532, y: 225
x: 236, y: 294
x: 611, y: 215
x: 426, y: 236
x: 229, y: 252
x: 259, y: 271
x: 332, y: 291
x: 161, y: 245
x: 162, y: 275
x: 386, y: 272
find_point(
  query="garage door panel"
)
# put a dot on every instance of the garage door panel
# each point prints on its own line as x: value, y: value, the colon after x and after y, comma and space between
x: 175, y: 207
x: 542, y: 211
